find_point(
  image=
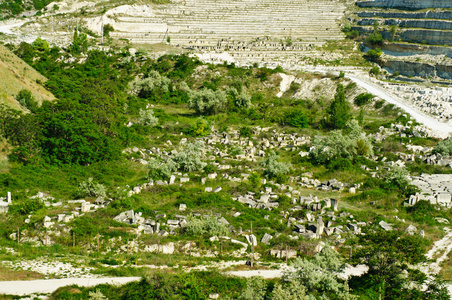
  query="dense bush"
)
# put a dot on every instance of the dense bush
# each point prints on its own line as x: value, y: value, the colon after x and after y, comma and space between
x: 349, y: 33
x: 189, y: 159
x: 26, y: 207
x: 296, y: 118
x: 147, y: 118
x: 274, y: 168
x: 91, y: 188
x: 208, y: 226
x: 339, y: 109
x: 363, y: 99
x: 26, y: 99
x: 375, y: 38
x: 341, y: 144
x: 207, y: 101
x: 374, y: 54
x: 444, y: 147
x: 153, y: 83
x: 161, y: 170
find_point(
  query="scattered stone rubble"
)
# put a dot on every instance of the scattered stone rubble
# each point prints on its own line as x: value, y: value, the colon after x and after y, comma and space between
x: 435, y: 188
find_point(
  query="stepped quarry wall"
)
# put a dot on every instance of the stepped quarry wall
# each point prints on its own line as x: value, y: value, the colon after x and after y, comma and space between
x: 418, y: 36
x: 228, y: 25
x: 426, y: 24
x: 444, y: 15
x: 399, y: 49
x: 407, y: 4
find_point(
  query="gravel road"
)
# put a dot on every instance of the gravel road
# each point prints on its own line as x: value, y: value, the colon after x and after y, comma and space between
x: 438, y: 128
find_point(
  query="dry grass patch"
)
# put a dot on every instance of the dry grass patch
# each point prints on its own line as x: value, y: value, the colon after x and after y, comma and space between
x: 10, y: 275
x: 16, y: 75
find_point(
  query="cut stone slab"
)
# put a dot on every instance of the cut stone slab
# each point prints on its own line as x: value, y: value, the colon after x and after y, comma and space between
x: 266, y: 238
x: 385, y: 226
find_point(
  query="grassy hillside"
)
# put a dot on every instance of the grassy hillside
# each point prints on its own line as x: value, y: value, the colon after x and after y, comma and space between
x: 177, y: 160
x: 16, y: 75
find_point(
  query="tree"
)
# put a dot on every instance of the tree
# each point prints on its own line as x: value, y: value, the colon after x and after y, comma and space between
x: 388, y: 255
x: 444, y: 147
x: 273, y: 167
x: 79, y: 42
x: 393, y: 32
x: 207, y: 102
x: 375, y: 38
x: 91, y: 188
x: 255, y: 289
x: 40, y: 45
x: 107, y: 29
x: 339, y: 110
x: 26, y: 99
x: 363, y: 99
x: 161, y: 170
x: 152, y: 84
x: 398, y: 177
x: 189, y: 159
x: 319, y: 275
x: 374, y: 54
x: 205, y: 226
x: 147, y: 118
x: 243, y: 100
x: 294, y: 290
x: 341, y: 144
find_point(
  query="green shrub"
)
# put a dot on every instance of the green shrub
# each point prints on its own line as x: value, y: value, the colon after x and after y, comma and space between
x: 91, y: 189
x: 374, y: 54
x: 26, y: 207
x: 374, y: 70
x: 147, y: 118
x: 161, y: 169
x: 274, y: 168
x: 397, y: 177
x: 375, y: 38
x: 200, y: 128
x: 205, y: 227
x: 26, y: 99
x: 379, y: 104
x: 207, y: 101
x: 107, y: 29
x: 349, y: 33
x: 296, y: 118
x: 444, y: 147
x: 255, y: 180
x: 189, y: 159
x: 363, y: 99
x: 245, y: 132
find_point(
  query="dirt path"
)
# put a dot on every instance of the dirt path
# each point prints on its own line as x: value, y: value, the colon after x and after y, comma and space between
x: 6, y: 27
x: 440, y: 251
x: 21, y: 288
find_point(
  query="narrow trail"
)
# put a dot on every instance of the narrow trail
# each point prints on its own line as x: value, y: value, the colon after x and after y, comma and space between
x: 46, y: 286
x: 440, y: 251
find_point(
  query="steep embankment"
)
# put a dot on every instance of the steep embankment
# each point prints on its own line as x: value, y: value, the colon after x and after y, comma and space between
x: 16, y: 75
x: 427, y: 31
